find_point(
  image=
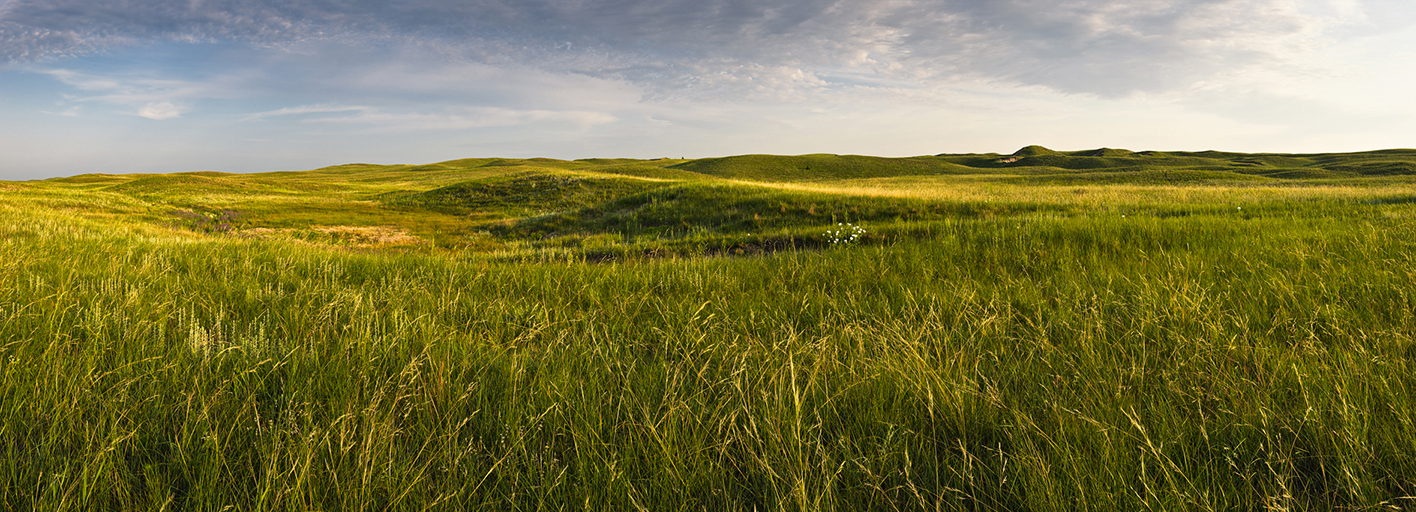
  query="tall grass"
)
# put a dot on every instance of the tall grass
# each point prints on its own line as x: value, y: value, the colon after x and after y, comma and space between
x: 1207, y: 361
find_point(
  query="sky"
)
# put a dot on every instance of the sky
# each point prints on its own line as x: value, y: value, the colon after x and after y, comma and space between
x: 128, y: 86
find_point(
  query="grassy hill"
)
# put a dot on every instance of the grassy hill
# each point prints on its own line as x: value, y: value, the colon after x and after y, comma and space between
x: 1044, y: 330
x: 626, y: 206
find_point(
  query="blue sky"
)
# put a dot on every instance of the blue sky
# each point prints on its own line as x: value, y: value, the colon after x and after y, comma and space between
x: 125, y: 86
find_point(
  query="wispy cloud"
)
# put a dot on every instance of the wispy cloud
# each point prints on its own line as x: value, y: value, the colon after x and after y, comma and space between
x: 152, y: 98
x: 69, y: 112
x: 305, y: 110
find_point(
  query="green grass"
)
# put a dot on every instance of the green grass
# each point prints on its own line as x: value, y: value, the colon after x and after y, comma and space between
x: 572, y: 335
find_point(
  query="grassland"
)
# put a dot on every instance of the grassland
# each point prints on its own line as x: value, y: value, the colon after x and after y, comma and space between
x: 1092, y: 330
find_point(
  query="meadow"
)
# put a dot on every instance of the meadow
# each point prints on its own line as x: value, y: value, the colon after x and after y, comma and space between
x: 1089, y: 330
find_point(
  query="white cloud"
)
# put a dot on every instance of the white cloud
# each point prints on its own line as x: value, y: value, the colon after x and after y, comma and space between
x: 307, y: 109
x: 382, y: 120
x: 142, y: 93
x: 466, y: 118
x: 160, y: 111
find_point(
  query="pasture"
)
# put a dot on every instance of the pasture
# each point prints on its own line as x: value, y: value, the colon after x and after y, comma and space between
x: 1091, y: 330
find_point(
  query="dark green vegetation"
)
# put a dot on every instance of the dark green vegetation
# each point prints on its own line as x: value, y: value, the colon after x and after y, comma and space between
x: 1098, y: 330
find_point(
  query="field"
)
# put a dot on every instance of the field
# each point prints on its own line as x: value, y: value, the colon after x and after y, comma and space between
x: 1091, y: 330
